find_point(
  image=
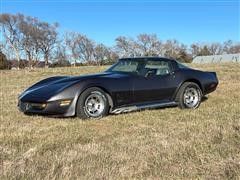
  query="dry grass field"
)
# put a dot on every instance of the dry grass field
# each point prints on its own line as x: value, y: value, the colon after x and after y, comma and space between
x: 156, y: 144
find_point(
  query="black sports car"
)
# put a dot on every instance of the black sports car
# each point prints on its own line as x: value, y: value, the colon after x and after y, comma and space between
x: 130, y: 84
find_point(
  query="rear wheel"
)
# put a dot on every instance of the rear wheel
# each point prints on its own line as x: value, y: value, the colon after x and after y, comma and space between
x: 92, y: 103
x: 189, y: 96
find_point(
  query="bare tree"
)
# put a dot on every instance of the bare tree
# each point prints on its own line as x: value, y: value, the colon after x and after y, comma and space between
x: 71, y: 45
x: 201, y: 50
x: 101, y: 54
x: 227, y: 46
x: 171, y: 48
x: 195, y: 49
x: 81, y: 47
x: 122, y: 46
x: 235, y: 48
x: 60, y: 55
x: 205, y: 51
x: 184, y: 56
x: 149, y: 44
x: 47, y: 39
x: 127, y: 47
x: 230, y: 47
x: 30, y: 38
x: 33, y: 39
x: 215, y: 48
x: 112, y: 58
x: 11, y: 33
x: 85, y: 48
x: 176, y: 50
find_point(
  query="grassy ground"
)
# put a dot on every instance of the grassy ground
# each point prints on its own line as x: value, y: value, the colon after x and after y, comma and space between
x: 164, y: 143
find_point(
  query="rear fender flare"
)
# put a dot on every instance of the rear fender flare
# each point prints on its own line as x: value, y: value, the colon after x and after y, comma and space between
x: 189, y: 80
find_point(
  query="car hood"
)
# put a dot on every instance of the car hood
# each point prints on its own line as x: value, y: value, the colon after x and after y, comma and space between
x: 43, y: 90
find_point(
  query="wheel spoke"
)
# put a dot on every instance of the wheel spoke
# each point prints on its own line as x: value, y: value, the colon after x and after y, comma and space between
x: 191, y: 97
x: 94, y: 104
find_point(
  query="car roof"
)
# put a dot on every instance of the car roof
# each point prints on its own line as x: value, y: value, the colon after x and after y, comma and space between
x: 143, y: 58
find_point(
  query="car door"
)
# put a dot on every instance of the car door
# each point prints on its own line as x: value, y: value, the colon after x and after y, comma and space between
x: 121, y: 82
x: 155, y: 83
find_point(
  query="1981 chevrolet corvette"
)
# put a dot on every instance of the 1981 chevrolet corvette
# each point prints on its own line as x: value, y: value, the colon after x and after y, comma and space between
x: 130, y: 84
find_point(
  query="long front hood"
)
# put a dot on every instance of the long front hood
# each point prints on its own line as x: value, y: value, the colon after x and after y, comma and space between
x: 44, y: 90
x: 43, y: 93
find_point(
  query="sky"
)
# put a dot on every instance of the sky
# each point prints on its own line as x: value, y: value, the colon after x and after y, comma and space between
x: 200, y: 21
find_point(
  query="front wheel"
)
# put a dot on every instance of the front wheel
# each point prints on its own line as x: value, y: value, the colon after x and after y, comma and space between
x: 92, y: 103
x: 189, y: 96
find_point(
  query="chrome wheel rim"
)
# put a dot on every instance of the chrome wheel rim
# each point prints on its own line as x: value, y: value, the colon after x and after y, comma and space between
x: 191, y: 97
x: 94, y: 104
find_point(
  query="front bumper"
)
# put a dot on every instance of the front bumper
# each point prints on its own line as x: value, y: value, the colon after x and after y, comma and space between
x: 50, y: 108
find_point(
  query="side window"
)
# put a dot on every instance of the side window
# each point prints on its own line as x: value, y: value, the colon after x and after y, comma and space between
x: 126, y: 66
x: 160, y: 67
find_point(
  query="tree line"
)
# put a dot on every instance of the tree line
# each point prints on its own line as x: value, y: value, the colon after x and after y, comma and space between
x: 28, y: 39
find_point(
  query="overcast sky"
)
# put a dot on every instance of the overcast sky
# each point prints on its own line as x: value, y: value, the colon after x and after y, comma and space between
x: 104, y: 20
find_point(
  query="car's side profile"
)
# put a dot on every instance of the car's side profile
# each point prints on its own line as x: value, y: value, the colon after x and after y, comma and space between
x: 130, y: 84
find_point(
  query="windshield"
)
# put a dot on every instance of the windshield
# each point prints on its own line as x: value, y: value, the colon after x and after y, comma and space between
x: 127, y: 66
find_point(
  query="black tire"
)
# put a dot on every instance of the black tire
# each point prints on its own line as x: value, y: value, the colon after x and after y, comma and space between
x: 186, y: 101
x: 85, y: 111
